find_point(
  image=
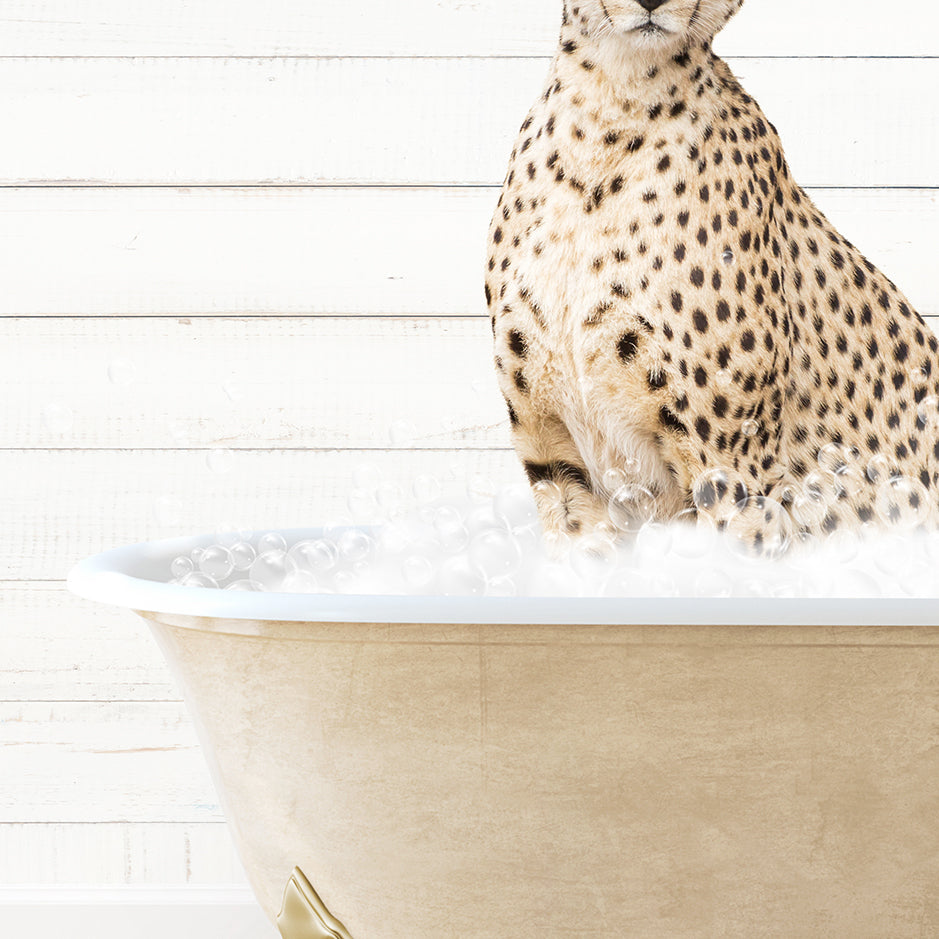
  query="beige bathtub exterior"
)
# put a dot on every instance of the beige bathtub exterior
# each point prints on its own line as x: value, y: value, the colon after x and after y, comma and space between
x: 578, y: 781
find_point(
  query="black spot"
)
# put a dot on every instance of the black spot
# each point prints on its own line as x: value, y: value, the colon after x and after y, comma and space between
x: 558, y: 471
x: 669, y: 420
x: 628, y: 346
x: 517, y: 343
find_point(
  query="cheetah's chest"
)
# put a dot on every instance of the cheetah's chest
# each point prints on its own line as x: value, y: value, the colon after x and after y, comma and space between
x: 575, y: 284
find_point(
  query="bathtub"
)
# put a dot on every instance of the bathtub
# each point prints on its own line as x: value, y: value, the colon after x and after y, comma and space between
x: 470, y: 767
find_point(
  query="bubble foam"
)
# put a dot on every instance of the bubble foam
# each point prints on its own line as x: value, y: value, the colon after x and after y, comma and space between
x: 495, y: 548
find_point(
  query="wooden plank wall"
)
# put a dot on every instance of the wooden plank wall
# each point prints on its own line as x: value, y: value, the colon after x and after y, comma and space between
x: 241, y: 247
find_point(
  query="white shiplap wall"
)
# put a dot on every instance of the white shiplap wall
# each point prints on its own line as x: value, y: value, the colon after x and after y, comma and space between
x: 259, y: 226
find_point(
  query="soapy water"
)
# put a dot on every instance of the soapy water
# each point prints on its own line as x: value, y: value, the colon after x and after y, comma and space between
x: 492, y: 545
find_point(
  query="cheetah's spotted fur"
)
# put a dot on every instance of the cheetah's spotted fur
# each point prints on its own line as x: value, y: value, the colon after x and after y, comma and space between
x: 661, y: 290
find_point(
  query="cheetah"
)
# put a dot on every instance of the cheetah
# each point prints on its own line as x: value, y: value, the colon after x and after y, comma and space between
x: 679, y: 332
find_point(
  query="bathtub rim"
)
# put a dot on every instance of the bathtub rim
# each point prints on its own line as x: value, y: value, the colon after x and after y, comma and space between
x: 118, y: 577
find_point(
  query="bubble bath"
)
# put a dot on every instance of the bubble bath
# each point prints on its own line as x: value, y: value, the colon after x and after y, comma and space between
x: 491, y: 545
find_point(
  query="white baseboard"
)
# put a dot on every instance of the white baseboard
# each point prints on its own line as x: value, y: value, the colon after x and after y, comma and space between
x: 132, y: 912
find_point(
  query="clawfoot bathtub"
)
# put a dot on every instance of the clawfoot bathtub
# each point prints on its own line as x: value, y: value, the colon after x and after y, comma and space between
x: 465, y: 767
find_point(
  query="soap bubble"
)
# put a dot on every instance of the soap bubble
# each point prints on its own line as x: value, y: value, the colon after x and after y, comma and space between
x: 299, y: 582
x: 198, y: 579
x: 272, y: 541
x: 345, y: 581
x: 719, y: 492
x: 242, y: 555
x: 229, y: 535
x: 270, y: 569
x: 927, y: 413
x: 728, y: 256
x: 712, y: 582
x: 217, y: 562
x: 762, y: 527
x: 393, y: 538
x: 459, y: 578
x: 724, y: 378
x: 903, y: 502
x: 835, y: 457
x: 750, y: 428
x: 594, y: 556
x: 121, y: 371
x: 880, y: 468
x: 627, y: 471
x: 451, y: 532
x: 495, y: 552
x: 613, y: 479
x: 244, y: 585
x: 813, y: 501
x: 483, y: 517
x: 334, y: 528
x: 501, y: 587
x: 317, y: 556
x: 182, y: 566
x: 631, y: 506
x: 850, y: 481
x: 631, y: 465
x: 355, y: 545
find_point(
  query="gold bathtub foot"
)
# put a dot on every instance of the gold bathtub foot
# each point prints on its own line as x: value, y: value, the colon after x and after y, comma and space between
x: 303, y: 914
